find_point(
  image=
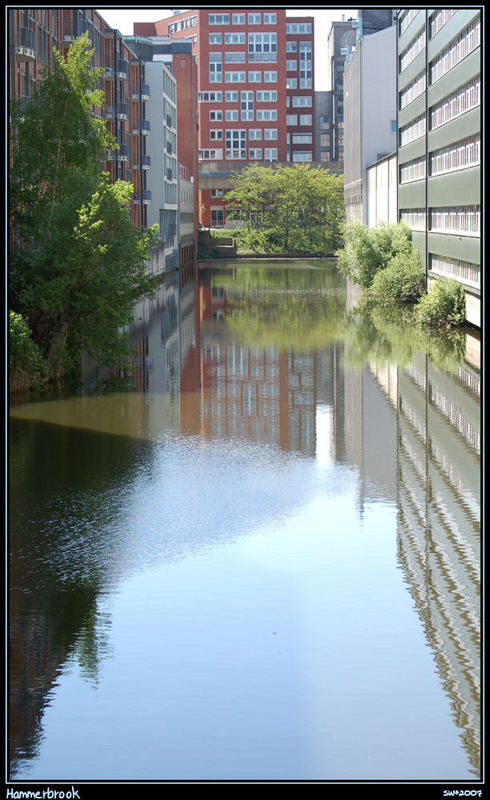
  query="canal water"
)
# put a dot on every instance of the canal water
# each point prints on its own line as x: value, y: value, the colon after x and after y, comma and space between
x: 256, y: 554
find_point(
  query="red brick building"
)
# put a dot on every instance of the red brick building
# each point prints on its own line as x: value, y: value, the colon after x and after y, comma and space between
x: 247, y: 113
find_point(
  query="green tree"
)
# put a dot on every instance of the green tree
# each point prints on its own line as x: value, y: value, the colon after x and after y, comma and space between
x: 68, y: 221
x: 368, y: 250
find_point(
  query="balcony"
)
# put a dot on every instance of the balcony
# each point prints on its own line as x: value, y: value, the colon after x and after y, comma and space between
x: 142, y: 198
x: 25, y: 48
x: 144, y: 128
x: 144, y: 94
x: 145, y: 163
x: 109, y: 72
x: 119, y: 155
x: 122, y: 69
x: 120, y: 113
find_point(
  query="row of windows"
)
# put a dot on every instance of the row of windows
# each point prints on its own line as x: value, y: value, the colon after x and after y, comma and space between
x: 414, y: 217
x: 304, y: 83
x: 463, y: 100
x: 460, y: 220
x: 457, y: 156
x: 182, y: 24
x: 407, y: 19
x: 239, y: 19
x: 454, y: 268
x: 414, y: 130
x: 412, y: 51
x: 254, y: 134
x: 236, y: 151
x: 304, y: 119
x: 298, y: 27
x: 216, y: 76
x: 439, y: 19
x: 299, y: 101
x: 415, y: 89
x: 261, y: 115
x: 465, y: 43
x: 413, y: 171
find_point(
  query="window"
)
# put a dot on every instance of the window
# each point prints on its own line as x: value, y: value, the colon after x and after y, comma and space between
x: 219, y: 19
x: 291, y: 119
x: 291, y: 47
x: 295, y: 27
x: 234, y: 38
x: 255, y: 154
x: 247, y: 106
x: 238, y: 19
x: 302, y: 138
x: 413, y: 131
x: 235, y: 58
x: 231, y: 97
x: 270, y: 77
x: 407, y: 19
x: 302, y: 156
x: 413, y: 90
x: 270, y: 133
x: 215, y: 116
x: 302, y: 101
x: 215, y: 134
x: 453, y: 268
x: 236, y: 143
x: 254, y: 134
x: 217, y: 217
x: 461, y: 220
x: 414, y: 217
x: 291, y: 83
x: 305, y: 83
x: 393, y: 126
x: 267, y: 97
x: 215, y: 67
x: 439, y: 19
x: 215, y: 38
x: 234, y: 77
x: 291, y: 66
x: 217, y: 192
x: 270, y: 154
x: 255, y: 77
x: 305, y: 119
x: 231, y: 116
x: 194, y: 22
x: 254, y: 19
x: 324, y: 140
x: 267, y: 115
x: 270, y: 19
x: 262, y: 47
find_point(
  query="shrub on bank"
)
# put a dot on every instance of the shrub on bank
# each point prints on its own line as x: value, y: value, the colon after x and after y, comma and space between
x: 443, y: 306
x: 369, y: 250
x: 402, y: 280
x: 25, y: 358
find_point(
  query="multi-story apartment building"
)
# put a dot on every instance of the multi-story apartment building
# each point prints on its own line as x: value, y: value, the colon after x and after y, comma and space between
x: 246, y: 60
x: 439, y: 142
x: 146, y: 154
x: 342, y: 36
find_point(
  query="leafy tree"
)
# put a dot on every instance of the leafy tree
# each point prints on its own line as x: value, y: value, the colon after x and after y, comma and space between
x: 368, y: 250
x: 402, y: 280
x: 443, y: 306
x: 289, y: 209
x: 76, y: 261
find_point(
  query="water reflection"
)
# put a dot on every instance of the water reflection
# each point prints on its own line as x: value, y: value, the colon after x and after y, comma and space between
x: 241, y: 381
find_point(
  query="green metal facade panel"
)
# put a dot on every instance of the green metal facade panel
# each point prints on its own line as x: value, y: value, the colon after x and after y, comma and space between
x: 457, y: 129
x: 411, y: 151
x: 458, y: 76
x: 459, y: 188
x: 411, y: 195
x: 415, y: 109
x: 464, y: 248
x: 451, y: 30
x: 418, y: 238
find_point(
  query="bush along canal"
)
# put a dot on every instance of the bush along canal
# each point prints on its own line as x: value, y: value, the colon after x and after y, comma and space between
x: 255, y: 555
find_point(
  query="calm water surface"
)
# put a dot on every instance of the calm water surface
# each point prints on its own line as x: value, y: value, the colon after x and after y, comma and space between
x: 257, y: 555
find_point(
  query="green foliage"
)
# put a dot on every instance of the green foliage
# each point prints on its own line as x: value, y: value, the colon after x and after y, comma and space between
x: 443, y: 306
x: 76, y: 262
x: 296, y: 209
x: 366, y: 250
x: 402, y: 280
x: 24, y: 355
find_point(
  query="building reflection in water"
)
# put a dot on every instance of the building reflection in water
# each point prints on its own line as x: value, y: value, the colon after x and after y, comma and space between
x: 412, y: 435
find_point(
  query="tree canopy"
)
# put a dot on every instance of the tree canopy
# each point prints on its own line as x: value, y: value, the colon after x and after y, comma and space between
x: 293, y: 208
x: 76, y: 261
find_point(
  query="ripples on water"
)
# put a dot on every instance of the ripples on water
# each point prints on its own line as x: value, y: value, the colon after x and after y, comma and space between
x: 258, y: 556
